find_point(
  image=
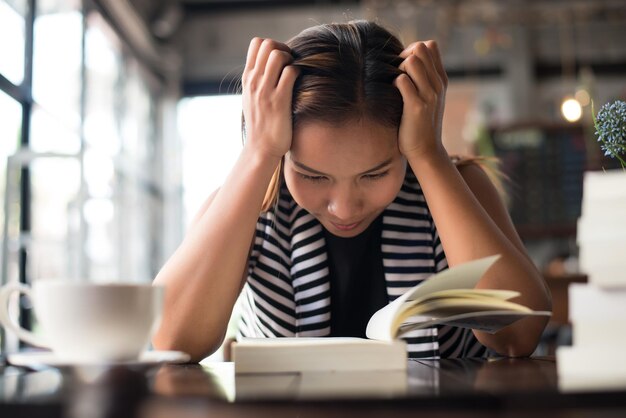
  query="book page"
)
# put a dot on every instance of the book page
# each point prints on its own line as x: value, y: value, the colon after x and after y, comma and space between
x: 496, y: 299
x: 488, y: 321
x: 294, y: 354
x: 453, y: 306
x: 482, y: 294
x: 464, y: 276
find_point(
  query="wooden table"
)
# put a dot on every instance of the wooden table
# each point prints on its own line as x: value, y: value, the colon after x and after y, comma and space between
x: 450, y: 388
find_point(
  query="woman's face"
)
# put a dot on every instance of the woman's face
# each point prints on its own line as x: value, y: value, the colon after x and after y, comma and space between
x: 344, y: 175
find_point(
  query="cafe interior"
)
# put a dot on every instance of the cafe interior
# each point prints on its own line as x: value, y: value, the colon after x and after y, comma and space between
x: 119, y: 117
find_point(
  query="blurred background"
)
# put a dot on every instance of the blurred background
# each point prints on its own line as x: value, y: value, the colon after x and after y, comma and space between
x: 119, y: 117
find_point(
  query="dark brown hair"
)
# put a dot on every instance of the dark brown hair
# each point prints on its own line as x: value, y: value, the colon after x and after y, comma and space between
x: 346, y: 74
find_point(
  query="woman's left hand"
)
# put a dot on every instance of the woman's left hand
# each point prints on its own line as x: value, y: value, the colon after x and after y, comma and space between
x: 423, y: 87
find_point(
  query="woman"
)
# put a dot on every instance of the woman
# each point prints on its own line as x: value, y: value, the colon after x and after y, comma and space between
x: 358, y: 201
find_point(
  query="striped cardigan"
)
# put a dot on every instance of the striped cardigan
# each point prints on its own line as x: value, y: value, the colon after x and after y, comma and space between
x: 287, y: 293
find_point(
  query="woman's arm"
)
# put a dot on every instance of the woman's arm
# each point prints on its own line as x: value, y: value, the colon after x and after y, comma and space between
x: 203, y: 278
x: 472, y: 222
x: 470, y: 217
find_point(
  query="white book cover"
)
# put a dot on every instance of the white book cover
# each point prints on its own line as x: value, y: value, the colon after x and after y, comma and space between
x: 614, y: 208
x: 610, y: 253
x: 600, y: 185
x: 590, y: 302
x: 606, y: 277
x: 599, y: 332
x: 590, y: 368
x: 600, y: 229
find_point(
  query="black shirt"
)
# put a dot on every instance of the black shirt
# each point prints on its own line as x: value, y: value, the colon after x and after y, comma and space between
x: 357, y: 281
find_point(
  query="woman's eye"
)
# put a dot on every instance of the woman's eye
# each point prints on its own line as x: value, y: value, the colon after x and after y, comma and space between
x: 312, y: 178
x: 375, y: 176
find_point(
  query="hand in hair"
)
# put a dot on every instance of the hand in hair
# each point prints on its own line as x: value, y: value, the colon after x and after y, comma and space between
x: 267, y: 82
x: 423, y: 87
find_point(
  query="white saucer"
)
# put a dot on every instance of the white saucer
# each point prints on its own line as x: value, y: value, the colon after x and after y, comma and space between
x: 47, y: 358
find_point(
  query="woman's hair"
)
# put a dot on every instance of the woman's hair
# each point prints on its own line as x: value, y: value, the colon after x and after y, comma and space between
x: 346, y: 74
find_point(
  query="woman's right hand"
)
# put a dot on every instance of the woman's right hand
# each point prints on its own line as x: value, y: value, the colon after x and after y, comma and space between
x: 268, y: 81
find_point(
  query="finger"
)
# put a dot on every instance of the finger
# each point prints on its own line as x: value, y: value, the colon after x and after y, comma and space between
x: 253, y: 50
x: 264, y: 52
x: 408, y: 50
x: 436, y: 54
x: 416, y: 70
x: 287, y: 79
x: 407, y: 89
x: 424, y: 54
x: 275, y: 64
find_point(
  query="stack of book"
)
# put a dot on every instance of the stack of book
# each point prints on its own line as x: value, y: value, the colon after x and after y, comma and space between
x: 601, y: 232
x: 597, y: 310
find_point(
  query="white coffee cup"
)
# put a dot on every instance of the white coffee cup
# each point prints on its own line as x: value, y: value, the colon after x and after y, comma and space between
x: 89, y: 321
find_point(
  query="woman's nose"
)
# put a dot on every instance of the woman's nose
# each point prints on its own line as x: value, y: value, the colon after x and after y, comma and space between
x: 345, y: 204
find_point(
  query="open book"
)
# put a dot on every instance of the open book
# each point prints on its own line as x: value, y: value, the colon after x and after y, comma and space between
x: 449, y: 297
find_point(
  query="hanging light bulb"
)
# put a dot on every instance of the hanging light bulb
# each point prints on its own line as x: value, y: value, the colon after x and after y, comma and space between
x: 571, y: 109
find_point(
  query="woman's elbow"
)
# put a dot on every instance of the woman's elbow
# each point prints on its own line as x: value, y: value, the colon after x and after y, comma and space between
x: 525, y: 340
x: 197, y: 350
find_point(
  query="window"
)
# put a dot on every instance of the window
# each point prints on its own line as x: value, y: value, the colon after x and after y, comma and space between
x: 210, y: 129
x: 57, y: 66
x: 11, y: 112
x: 82, y: 126
x: 12, y: 33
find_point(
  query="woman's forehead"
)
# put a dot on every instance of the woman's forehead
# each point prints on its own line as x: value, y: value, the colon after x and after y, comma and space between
x: 350, y: 133
x: 358, y: 145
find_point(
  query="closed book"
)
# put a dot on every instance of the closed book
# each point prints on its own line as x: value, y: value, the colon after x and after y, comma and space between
x: 604, y: 185
x: 608, y: 277
x: 593, y: 303
x: 609, y: 208
x: 588, y: 368
x: 604, y: 263
x: 610, y: 253
x: 599, y: 332
x: 594, y: 230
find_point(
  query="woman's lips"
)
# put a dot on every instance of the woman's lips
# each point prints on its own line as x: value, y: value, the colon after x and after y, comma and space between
x: 346, y: 227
